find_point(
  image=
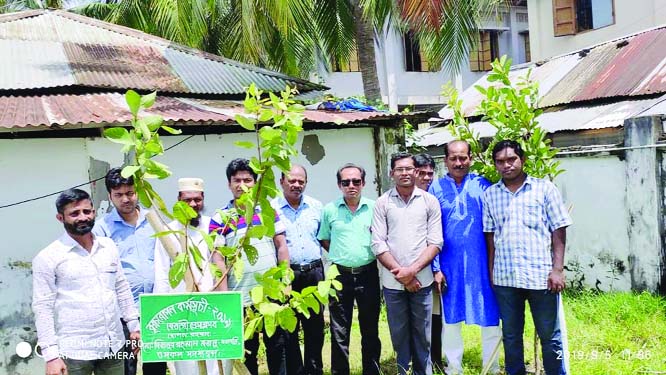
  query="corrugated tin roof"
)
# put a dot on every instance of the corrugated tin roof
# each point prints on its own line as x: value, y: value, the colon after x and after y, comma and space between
x: 634, y: 65
x: 97, y: 110
x: 580, y: 118
x: 52, y: 48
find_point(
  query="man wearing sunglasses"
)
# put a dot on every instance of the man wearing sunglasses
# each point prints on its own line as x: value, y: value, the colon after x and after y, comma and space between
x: 345, y: 232
x: 406, y: 236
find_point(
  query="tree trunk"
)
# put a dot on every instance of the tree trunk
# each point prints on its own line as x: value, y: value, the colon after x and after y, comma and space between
x: 365, y: 44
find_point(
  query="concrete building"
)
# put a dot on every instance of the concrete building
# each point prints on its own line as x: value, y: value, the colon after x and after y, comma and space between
x: 405, y: 77
x: 561, y: 26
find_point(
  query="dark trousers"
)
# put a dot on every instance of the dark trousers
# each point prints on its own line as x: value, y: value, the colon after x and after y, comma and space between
x: 364, y: 288
x: 153, y: 368
x: 276, y: 353
x: 436, y: 343
x: 313, y: 329
x: 106, y: 366
x: 544, y: 307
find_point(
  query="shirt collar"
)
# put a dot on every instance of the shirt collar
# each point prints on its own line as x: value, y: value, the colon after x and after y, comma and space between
x: 415, y: 193
x: 282, y: 202
x: 448, y: 177
x: 361, y: 203
x: 70, y: 244
x: 529, y: 180
x: 115, y: 215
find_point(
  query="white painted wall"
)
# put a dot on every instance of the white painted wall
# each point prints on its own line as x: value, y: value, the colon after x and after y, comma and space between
x: 630, y: 16
x: 422, y: 87
x: 598, y: 241
x: 34, y: 167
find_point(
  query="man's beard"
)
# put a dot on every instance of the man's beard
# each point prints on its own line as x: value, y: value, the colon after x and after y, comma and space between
x: 80, y: 228
x: 196, y: 221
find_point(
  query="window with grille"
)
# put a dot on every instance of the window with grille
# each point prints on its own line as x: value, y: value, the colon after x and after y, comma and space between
x: 486, y: 50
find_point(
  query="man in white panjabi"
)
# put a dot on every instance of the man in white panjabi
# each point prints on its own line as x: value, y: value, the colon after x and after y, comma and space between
x: 190, y: 191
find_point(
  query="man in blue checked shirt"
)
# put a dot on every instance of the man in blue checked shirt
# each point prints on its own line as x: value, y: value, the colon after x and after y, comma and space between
x: 301, y: 215
x: 524, y: 221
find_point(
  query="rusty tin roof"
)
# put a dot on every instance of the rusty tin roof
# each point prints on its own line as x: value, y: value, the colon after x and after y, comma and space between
x: 52, y: 48
x: 630, y: 66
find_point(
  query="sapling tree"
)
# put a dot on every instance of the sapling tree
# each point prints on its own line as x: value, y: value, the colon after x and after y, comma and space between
x: 276, y: 122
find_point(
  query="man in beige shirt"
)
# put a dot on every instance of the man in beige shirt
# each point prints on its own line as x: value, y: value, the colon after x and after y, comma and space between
x: 406, y: 236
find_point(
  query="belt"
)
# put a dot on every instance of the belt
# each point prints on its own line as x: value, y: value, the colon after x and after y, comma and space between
x: 306, y: 267
x: 356, y: 270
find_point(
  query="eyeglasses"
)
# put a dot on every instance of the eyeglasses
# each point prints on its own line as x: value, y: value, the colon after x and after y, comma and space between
x: 355, y: 181
x: 403, y: 169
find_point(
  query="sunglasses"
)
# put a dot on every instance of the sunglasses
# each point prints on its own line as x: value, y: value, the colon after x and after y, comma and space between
x: 355, y: 181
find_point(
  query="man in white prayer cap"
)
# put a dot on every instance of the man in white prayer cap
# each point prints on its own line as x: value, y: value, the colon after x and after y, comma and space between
x: 190, y: 191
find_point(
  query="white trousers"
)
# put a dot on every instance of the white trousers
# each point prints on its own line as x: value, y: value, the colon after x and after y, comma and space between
x: 192, y: 368
x: 452, y: 346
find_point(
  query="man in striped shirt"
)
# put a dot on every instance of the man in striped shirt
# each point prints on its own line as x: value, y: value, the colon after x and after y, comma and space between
x: 270, y: 251
x: 524, y: 221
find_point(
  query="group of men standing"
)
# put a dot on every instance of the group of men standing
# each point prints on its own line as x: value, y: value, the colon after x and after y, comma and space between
x: 473, y: 250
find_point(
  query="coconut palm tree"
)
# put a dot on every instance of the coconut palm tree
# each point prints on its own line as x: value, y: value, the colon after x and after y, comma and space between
x: 293, y: 36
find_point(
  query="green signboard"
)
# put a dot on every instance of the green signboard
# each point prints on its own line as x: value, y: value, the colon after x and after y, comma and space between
x: 191, y: 326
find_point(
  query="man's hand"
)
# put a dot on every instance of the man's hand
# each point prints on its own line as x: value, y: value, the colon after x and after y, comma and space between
x: 556, y: 282
x: 440, y: 281
x: 413, y: 286
x: 56, y: 367
x: 135, y: 338
x: 404, y: 275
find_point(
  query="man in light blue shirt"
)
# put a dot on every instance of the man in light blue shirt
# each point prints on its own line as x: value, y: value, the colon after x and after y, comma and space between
x: 127, y: 226
x: 302, y: 215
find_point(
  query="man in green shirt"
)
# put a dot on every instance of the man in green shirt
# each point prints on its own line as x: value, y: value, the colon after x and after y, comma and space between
x: 345, y: 233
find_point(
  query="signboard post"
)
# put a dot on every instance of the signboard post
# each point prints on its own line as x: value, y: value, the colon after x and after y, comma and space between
x: 191, y: 326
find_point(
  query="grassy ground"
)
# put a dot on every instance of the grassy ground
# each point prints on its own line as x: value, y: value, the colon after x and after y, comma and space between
x: 609, y: 334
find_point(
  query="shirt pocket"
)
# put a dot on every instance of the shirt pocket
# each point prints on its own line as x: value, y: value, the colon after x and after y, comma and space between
x: 532, y: 216
x: 109, y: 274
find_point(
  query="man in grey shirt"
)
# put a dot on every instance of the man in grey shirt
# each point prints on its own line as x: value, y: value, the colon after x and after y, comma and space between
x: 79, y: 295
x: 406, y: 236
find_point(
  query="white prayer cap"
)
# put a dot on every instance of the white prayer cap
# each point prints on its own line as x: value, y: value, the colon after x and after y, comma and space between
x: 190, y: 184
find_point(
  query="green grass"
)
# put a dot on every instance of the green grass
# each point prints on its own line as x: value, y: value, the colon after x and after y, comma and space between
x: 609, y: 334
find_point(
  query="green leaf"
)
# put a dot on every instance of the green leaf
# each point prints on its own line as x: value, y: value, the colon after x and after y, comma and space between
x: 177, y: 271
x: 152, y: 122
x: 215, y: 271
x: 323, y: 288
x: 332, y: 272
x: 148, y: 100
x: 269, y: 324
x: 269, y: 134
x: 265, y: 115
x: 246, y: 122
x: 251, y: 328
x: 196, y: 255
x: 245, y: 144
x: 287, y: 319
x: 154, y: 146
x: 183, y: 213
x: 257, y: 294
x: 168, y: 232
x: 256, y: 231
x: 133, y: 100
x: 119, y: 135
x: 171, y: 130
x: 239, y: 266
x: 129, y: 171
x: 251, y: 253
x: 226, y: 251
